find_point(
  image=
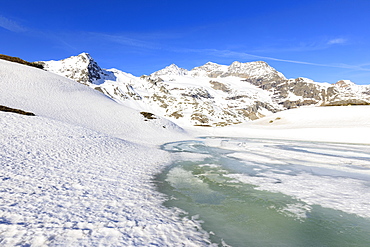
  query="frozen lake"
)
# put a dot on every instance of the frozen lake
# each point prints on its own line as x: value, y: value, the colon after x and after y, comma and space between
x: 254, y: 192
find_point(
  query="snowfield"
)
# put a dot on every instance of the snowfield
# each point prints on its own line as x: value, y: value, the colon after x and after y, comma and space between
x: 69, y: 186
x: 340, y: 124
x: 80, y: 172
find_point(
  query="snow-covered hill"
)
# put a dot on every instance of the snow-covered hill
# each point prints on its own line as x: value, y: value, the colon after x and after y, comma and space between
x: 212, y: 94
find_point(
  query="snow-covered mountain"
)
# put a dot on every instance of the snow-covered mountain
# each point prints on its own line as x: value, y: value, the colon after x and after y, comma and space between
x: 212, y: 94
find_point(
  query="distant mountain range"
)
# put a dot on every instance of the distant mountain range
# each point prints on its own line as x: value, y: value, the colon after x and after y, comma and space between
x: 212, y: 94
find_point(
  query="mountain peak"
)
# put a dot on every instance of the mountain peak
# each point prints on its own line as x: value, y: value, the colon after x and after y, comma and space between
x: 236, y: 63
x: 172, y: 69
x: 80, y: 58
x: 86, y: 56
x: 173, y: 66
x: 256, y: 69
x: 344, y: 83
x: 209, y: 69
x: 81, y: 68
x: 211, y: 63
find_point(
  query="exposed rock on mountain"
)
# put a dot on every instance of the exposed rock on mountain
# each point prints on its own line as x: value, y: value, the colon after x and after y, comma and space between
x: 293, y: 93
x: 212, y: 94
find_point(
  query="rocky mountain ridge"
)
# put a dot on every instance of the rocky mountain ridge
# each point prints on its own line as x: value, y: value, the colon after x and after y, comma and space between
x: 211, y: 94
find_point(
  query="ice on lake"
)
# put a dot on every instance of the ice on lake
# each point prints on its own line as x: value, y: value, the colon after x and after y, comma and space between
x: 255, y: 192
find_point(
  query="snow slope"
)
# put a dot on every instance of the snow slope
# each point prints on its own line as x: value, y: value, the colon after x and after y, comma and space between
x: 78, y: 173
x: 53, y: 96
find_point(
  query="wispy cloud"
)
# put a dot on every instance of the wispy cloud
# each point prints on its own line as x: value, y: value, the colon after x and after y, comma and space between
x: 243, y: 55
x: 343, y: 66
x: 11, y: 25
x: 125, y: 40
x: 337, y: 41
x: 299, y: 47
x: 302, y: 46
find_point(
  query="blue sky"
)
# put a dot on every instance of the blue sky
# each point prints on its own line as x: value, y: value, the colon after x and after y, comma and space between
x: 324, y: 40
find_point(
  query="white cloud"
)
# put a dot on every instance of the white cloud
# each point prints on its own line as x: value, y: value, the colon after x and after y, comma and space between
x: 337, y: 41
x: 10, y: 25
